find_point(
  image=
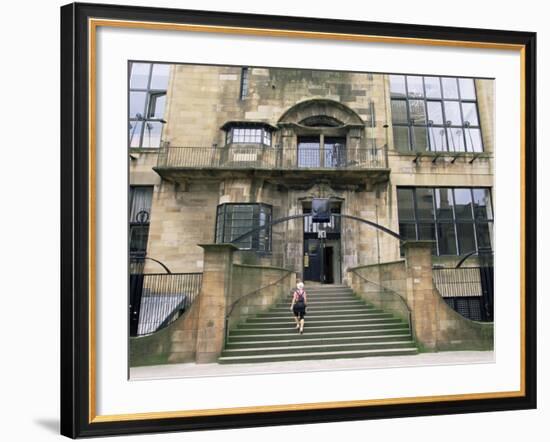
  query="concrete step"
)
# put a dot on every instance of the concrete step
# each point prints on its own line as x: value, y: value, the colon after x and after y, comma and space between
x: 332, y: 308
x: 305, y: 339
x: 338, y: 334
x: 315, y: 348
x: 317, y: 355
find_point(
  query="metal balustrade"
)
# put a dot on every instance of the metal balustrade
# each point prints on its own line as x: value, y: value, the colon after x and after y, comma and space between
x: 265, y: 157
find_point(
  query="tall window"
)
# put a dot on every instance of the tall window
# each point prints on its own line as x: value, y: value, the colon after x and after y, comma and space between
x: 244, y: 82
x: 147, y: 99
x: 139, y: 217
x: 435, y: 114
x: 234, y: 220
x: 459, y: 220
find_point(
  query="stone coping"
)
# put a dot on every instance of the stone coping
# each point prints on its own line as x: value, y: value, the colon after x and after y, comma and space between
x: 373, y: 265
x: 255, y: 266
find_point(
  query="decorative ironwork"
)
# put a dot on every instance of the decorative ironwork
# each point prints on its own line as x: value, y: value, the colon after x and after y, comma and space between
x: 157, y: 300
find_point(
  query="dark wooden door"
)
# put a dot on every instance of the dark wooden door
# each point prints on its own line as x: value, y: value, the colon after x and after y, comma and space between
x: 312, y: 260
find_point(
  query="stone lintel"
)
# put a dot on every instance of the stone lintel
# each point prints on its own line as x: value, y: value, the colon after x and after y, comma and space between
x: 422, y: 244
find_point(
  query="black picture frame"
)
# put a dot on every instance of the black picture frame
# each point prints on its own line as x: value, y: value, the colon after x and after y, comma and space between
x: 77, y: 248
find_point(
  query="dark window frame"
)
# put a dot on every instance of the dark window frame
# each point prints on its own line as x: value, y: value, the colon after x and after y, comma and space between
x: 429, y: 125
x: 259, y: 241
x: 134, y: 225
x: 245, y: 82
x: 475, y: 222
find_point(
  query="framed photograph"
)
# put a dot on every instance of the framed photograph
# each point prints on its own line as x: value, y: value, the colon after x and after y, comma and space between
x: 255, y: 206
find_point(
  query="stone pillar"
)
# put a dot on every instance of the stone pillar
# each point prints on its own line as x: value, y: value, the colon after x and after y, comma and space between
x: 420, y: 294
x: 215, y: 290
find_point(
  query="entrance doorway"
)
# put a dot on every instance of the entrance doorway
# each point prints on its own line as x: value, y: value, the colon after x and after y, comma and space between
x: 322, y: 261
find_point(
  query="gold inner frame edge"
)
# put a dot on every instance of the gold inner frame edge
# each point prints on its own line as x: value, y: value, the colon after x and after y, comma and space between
x: 93, y: 24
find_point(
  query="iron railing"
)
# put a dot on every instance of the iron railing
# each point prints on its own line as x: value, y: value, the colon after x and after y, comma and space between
x: 158, y: 299
x: 266, y: 157
x: 279, y: 287
x: 468, y: 290
x: 387, y: 299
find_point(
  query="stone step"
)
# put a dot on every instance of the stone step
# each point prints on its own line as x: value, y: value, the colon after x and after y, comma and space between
x: 332, y: 308
x: 304, y: 339
x: 285, y: 316
x: 375, y: 318
x: 325, y: 312
x: 291, y: 333
x: 316, y: 348
x: 316, y: 319
x: 318, y: 355
x: 379, y: 323
x: 345, y: 302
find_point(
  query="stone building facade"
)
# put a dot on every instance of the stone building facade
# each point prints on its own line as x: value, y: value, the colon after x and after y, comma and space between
x: 216, y: 151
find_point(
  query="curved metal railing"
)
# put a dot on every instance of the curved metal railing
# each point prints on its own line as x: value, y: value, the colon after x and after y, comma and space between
x: 232, y: 307
x: 394, y: 295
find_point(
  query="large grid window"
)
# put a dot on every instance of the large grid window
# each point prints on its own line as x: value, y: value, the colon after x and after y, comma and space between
x: 459, y: 220
x: 146, y: 103
x: 139, y: 216
x: 434, y: 114
x: 248, y: 135
x: 234, y: 220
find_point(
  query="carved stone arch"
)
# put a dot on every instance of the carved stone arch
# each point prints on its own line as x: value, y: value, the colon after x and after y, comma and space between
x: 331, y: 112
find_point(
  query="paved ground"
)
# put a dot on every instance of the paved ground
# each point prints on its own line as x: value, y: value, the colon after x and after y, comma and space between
x: 201, y: 370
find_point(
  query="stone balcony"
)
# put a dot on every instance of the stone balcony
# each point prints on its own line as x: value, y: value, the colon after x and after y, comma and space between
x: 341, y: 165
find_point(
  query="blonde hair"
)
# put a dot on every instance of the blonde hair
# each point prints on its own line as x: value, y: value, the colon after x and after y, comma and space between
x: 300, y: 285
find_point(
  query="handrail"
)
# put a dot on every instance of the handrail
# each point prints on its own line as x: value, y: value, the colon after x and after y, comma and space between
x: 393, y: 293
x: 234, y: 304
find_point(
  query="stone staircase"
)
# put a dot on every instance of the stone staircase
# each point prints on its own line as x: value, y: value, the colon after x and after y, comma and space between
x: 338, y: 324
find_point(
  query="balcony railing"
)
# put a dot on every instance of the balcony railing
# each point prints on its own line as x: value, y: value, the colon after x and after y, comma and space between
x: 265, y: 157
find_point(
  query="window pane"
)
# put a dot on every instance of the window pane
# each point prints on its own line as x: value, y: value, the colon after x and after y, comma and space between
x: 484, y: 233
x: 397, y: 85
x: 473, y: 140
x: 137, y: 104
x: 417, y: 111
x: 424, y: 203
x: 138, y: 238
x: 159, y: 79
x: 405, y: 205
x: 401, y: 138
x: 467, y: 89
x: 463, y: 204
x: 433, y: 87
x: 446, y: 239
x: 438, y: 141
x: 444, y: 204
x: 469, y: 110
x: 399, y: 111
x: 140, y: 203
x: 420, y: 138
x: 426, y: 231
x: 139, y: 75
x: 151, y: 134
x: 466, y: 240
x: 482, y: 204
x: 450, y: 88
x: 135, y: 133
x: 456, y: 140
x: 156, y: 105
x: 415, y: 87
x: 452, y: 113
x: 435, y: 112
x: 407, y: 231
